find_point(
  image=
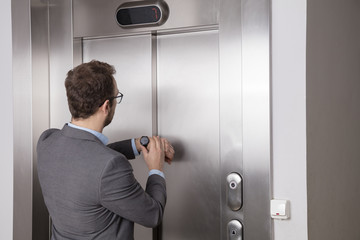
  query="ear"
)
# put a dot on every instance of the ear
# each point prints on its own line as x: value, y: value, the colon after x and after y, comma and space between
x: 105, y: 108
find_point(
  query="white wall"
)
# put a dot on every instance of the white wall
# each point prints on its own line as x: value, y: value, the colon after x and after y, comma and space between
x: 289, y: 115
x: 6, y: 123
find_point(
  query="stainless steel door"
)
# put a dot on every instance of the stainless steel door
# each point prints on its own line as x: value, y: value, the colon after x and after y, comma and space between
x: 131, y: 57
x: 188, y: 108
x: 188, y: 114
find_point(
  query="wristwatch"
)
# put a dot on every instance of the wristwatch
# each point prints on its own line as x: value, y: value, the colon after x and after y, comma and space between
x: 144, y: 141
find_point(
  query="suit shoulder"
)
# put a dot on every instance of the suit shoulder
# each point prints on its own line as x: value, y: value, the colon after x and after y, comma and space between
x: 48, y: 133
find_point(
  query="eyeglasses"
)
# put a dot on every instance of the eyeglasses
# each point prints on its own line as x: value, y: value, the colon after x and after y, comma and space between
x: 118, y: 97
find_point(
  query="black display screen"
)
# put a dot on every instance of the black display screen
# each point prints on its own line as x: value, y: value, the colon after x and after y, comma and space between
x: 138, y: 15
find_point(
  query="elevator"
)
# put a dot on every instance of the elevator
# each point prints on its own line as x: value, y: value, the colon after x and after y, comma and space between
x: 198, y: 75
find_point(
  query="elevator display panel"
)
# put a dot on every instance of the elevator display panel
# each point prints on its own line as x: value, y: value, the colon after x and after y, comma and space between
x: 142, y: 14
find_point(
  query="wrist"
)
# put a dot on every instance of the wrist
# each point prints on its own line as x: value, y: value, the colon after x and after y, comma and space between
x: 157, y: 172
x: 137, y: 144
x: 156, y: 169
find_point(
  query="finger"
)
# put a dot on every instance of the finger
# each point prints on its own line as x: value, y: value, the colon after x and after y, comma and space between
x: 164, y: 141
x: 168, y: 161
x: 167, y: 145
x: 169, y: 156
x: 170, y: 152
x: 144, y: 150
x: 170, y: 148
x: 155, y: 140
x: 159, y: 143
x: 162, y: 145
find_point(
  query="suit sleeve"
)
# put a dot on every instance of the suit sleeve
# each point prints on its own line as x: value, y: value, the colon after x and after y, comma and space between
x: 123, y: 195
x: 123, y: 147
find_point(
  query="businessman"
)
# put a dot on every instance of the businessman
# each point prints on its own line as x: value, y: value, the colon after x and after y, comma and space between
x: 88, y: 186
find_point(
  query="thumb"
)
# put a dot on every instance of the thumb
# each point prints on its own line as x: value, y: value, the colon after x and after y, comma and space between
x: 144, y: 150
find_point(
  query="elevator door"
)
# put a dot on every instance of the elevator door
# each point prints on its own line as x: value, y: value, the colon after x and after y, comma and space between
x: 131, y: 57
x: 188, y: 108
x: 172, y: 83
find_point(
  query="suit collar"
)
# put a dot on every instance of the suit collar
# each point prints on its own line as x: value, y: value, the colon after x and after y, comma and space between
x: 99, y: 135
x: 80, y: 134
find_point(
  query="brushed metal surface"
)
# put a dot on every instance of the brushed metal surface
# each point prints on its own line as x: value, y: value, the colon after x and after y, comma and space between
x: 22, y: 98
x: 77, y: 51
x: 96, y: 18
x: 231, y: 106
x: 60, y: 59
x: 154, y: 97
x: 131, y: 57
x: 245, y: 126
x: 40, y: 108
x: 255, y: 66
x: 188, y: 108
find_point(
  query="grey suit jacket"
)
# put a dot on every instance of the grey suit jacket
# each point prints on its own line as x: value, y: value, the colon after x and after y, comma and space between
x: 90, y: 190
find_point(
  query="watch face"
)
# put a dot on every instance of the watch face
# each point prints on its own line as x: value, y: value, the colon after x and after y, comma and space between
x: 144, y: 141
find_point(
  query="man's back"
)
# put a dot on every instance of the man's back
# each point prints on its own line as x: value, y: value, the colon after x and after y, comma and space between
x: 90, y: 190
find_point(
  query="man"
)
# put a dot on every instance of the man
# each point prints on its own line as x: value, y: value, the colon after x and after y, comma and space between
x: 88, y: 187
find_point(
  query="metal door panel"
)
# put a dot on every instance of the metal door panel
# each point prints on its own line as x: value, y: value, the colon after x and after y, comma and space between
x: 188, y: 115
x: 96, y: 18
x: 60, y: 60
x: 131, y: 57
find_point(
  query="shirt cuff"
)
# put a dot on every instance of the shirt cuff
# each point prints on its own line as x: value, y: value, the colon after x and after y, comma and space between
x: 157, y: 172
x: 136, y: 153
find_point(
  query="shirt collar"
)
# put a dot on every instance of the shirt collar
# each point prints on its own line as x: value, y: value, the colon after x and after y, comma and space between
x: 99, y: 135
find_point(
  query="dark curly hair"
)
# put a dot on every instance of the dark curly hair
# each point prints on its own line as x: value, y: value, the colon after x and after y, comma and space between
x: 88, y: 86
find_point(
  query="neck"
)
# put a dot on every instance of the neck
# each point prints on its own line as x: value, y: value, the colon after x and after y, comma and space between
x: 91, y: 123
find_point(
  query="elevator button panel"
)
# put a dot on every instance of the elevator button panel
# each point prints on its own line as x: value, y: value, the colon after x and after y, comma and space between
x: 235, y: 230
x: 234, y: 191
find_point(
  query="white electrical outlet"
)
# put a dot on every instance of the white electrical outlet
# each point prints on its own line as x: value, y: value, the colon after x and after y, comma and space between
x: 280, y: 209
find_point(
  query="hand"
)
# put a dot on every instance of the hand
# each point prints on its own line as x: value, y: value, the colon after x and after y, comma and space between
x: 154, y: 154
x: 169, y: 151
x: 137, y: 144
